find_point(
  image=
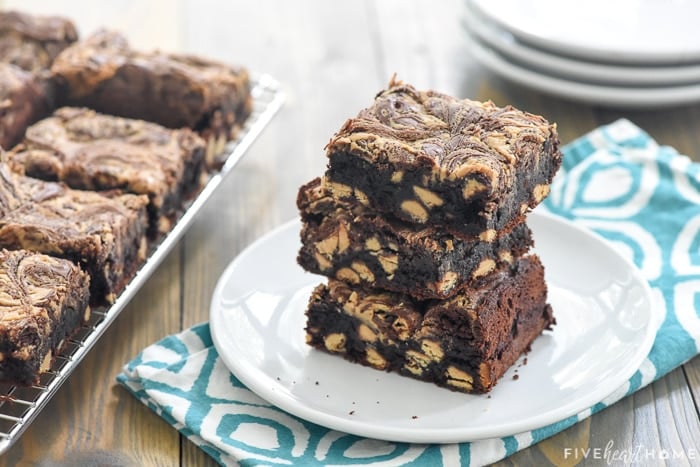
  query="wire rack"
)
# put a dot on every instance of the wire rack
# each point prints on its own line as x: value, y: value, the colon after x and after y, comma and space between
x: 20, y: 405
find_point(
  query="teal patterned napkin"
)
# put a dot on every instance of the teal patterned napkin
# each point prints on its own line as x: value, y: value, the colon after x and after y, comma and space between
x: 616, y: 180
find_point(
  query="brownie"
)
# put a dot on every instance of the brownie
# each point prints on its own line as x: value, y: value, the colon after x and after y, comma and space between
x: 93, y: 151
x: 23, y: 100
x: 346, y: 240
x: 43, y: 301
x: 432, y: 159
x: 104, y: 73
x: 32, y: 42
x: 465, y: 343
x: 102, y: 232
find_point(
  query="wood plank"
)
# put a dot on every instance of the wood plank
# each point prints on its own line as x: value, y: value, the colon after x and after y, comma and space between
x: 416, y: 46
x: 654, y: 422
x: 305, y: 46
x: 692, y: 376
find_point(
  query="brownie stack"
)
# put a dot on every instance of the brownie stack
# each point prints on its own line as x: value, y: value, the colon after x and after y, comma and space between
x: 419, y: 225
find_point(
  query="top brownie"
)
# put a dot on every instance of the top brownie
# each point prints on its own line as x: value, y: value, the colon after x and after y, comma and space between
x: 104, y: 73
x: 31, y: 42
x: 432, y: 159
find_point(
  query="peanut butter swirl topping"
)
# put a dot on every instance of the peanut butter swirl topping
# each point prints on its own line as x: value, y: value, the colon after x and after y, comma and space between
x: 34, y: 212
x: 106, y: 55
x: 456, y: 138
x: 97, y: 151
x: 31, y: 281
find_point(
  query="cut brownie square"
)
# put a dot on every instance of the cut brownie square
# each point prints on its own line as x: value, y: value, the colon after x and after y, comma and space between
x: 92, y: 151
x: 32, y: 42
x: 43, y: 301
x: 432, y: 159
x: 169, y: 89
x: 348, y: 241
x: 104, y: 233
x: 465, y: 343
x: 23, y: 100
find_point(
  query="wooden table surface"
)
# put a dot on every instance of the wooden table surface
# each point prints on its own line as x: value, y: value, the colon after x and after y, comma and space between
x: 331, y: 58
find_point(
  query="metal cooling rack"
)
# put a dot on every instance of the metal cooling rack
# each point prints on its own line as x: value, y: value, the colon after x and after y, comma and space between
x: 19, y: 405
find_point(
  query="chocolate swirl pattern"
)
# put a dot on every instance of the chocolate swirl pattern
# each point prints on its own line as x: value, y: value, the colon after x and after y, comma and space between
x: 43, y: 300
x: 432, y: 159
x: 92, y: 151
x: 104, y: 73
x: 104, y: 234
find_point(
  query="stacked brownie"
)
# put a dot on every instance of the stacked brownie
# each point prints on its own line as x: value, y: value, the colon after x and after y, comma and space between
x: 102, y: 147
x: 419, y: 224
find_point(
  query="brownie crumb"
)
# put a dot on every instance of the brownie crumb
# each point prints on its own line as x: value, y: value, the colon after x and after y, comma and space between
x: 352, y: 412
x: 414, y: 417
x: 515, y: 377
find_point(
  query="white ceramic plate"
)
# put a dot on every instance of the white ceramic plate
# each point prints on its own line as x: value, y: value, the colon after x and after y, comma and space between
x: 605, y: 328
x: 571, y: 68
x: 618, y: 31
x: 600, y: 94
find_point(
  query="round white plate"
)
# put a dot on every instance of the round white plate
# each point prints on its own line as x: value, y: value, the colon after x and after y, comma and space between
x: 605, y: 328
x: 618, y: 31
x: 605, y: 95
x: 579, y: 70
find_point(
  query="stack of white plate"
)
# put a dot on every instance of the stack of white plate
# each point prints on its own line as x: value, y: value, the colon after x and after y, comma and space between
x: 622, y: 53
